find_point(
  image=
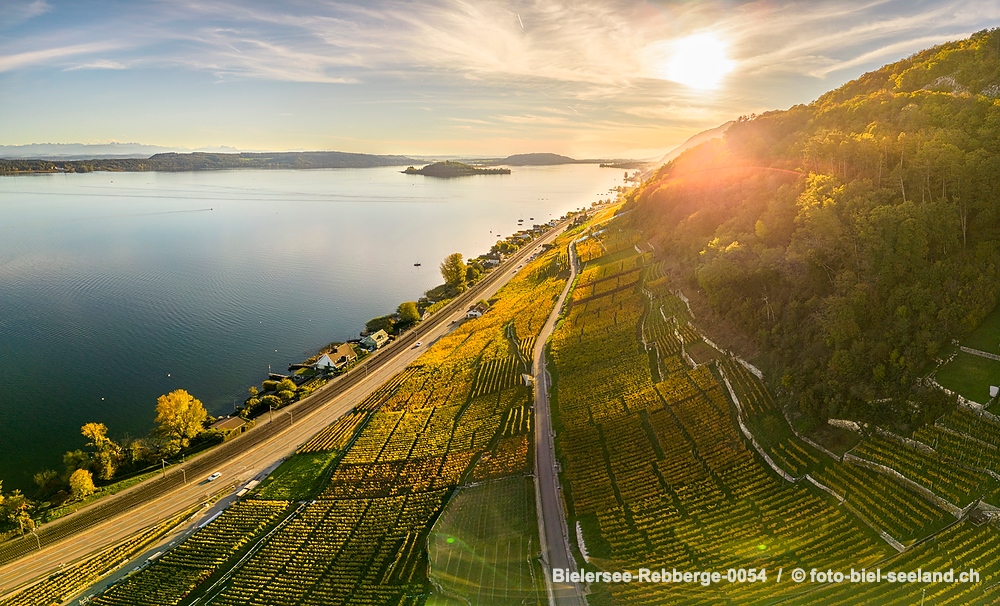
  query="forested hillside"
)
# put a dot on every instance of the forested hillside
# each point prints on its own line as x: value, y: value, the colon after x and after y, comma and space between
x: 851, y: 238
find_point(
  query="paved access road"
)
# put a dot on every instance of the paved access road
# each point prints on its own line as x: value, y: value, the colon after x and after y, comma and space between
x: 552, y: 527
x: 114, y: 518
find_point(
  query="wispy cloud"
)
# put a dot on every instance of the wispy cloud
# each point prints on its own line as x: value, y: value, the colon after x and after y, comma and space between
x: 819, y: 38
x: 575, y: 69
x: 593, y: 45
x: 16, y: 12
x: 99, y: 64
x: 46, y: 56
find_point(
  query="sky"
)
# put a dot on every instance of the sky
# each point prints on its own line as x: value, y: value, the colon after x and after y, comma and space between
x: 586, y: 78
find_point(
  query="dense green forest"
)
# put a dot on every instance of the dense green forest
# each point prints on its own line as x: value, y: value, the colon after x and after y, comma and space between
x: 851, y: 238
x: 207, y: 161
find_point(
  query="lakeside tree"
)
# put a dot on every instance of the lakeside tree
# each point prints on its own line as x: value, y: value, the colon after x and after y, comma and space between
x: 16, y: 509
x: 286, y: 390
x: 472, y: 271
x: 81, y: 484
x: 24, y: 521
x: 180, y: 417
x: 271, y: 401
x: 408, y: 312
x: 73, y: 460
x: 453, y: 270
x: 107, y: 454
x: 47, y: 481
x: 385, y: 323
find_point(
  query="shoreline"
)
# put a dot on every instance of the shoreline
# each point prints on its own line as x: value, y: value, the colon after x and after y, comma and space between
x: 214, y: 376
x: 310, y: 415
x: 434, y: 307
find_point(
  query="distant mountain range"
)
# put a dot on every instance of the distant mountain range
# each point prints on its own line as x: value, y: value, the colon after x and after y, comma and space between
x: 77, y: 157
x: 538, y: 159
x: 314, y: 159
x: 83, y: 151
x: 205, y: 161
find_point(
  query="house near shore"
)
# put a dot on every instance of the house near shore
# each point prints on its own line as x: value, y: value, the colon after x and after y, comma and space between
x: 229, y: 425
x: 338, y: 358
x: 375, y: 340
x: 476, y: 311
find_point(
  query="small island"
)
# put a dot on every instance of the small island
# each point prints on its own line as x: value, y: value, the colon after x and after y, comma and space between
x: 454, y: 169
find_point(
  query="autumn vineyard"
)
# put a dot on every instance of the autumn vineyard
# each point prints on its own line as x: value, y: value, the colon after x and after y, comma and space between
x: 674, y: 454
x: 836, y: 427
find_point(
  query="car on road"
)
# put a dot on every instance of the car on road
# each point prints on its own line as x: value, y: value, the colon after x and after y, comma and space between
x: 215, y: 476
x: 419, y: 343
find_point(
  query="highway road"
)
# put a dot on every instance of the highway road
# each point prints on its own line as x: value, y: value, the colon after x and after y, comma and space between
x: 114, y: 518
x: 552, y: 528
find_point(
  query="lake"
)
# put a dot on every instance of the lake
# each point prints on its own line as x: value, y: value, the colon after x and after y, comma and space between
x: 118, y: 287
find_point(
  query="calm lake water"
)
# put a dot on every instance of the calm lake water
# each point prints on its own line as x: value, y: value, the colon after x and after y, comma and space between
x: 116, y: 288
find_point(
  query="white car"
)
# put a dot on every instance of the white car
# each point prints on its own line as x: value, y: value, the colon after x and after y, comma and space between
x: 215, y: 476
x: 419, y: 343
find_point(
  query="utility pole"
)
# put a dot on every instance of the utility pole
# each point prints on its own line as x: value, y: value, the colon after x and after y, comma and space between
x: 37, y: 540
x: 164, y: 468
x: 184, y: 471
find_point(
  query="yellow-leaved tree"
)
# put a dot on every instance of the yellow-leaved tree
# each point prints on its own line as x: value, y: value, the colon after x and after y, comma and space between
x: 81, y: 483
x: 107, y: 454
x: 180, y: 417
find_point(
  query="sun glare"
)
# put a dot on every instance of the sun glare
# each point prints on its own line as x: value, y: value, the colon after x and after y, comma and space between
x: 699, y: 61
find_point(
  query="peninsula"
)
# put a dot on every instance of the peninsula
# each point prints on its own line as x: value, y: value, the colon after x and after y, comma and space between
x: 454, y: 169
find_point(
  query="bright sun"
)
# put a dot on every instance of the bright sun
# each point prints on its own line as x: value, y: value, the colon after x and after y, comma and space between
x: 698, y: 61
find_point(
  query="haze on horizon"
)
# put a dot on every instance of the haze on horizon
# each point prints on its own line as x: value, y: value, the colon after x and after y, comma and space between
x: 590, y: 78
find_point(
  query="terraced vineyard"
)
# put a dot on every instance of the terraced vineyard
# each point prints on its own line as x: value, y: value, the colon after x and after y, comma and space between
x: 341, y: 551
x: 902, y: 513
x: 658, y: 474
x: 75, y: 578
x: 961, y: 547
x: 956, y: 484
x: 171, y: 578
x: 882, y: 500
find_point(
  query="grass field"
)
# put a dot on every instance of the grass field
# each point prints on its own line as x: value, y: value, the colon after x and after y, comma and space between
x: 300, y: 477
x: 970, y: 376
x: 987, y: 335
x: 484, y: 547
